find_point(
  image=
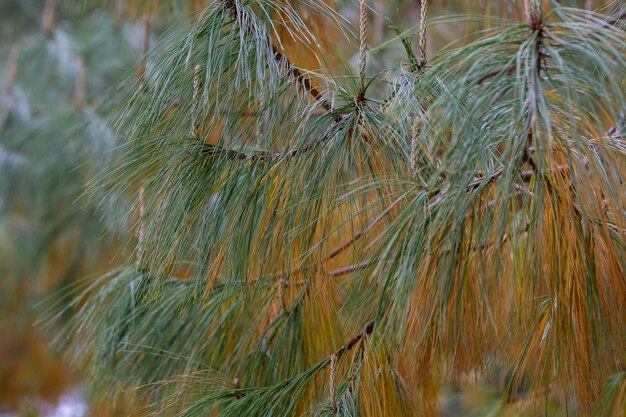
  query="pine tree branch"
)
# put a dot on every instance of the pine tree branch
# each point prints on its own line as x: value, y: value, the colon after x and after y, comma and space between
x: 141, y: 230
x: 536, y: 24
x: 293, y: 71
x: 613, y: 20
x: 367, y: 330
x: 240, y: 393
x: 361, y: 232
x: 268, y: 156
x: 350, y: 268
x: 507, y: 69
x: 524, y: 175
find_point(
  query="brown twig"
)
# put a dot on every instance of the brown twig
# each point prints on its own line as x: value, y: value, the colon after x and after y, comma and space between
x: 367, y: 330
x: 300, y: 79
x: 613, y: 20
x: 505, y: 239
x: 332, y: 359
x: 334, y: 272
x: 525, y: 176
x: 422, y: 34
x: 141, y: 231
x: 362, y: 48
x: 350, y: 268
x: 331, y: 384
x: 293, y: 71
x: 494, y: 73
x: 534, y: 11
x: 268, y: 156
x: 361, y: 232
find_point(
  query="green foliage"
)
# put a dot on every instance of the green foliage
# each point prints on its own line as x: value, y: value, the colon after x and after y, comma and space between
x: 319, y: 243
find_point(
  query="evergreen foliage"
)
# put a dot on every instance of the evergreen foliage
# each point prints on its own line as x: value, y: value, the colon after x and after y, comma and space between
x: 365, y: 239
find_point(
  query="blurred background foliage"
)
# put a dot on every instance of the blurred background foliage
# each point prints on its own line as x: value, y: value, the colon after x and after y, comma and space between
x: 63, y: 65
x: 67, y: 67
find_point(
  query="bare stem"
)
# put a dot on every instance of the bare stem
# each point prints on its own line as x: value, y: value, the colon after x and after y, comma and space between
x: 422, y: 34
x: 362, y: 46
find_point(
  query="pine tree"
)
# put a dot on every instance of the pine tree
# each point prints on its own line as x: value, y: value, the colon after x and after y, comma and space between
x: 367, y: 238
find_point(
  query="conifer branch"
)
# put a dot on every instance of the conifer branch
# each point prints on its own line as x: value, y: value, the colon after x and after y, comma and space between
x: 268, y: 156
x: 341, y: 248
x: 194, y: 101
x: 533, y: 9
x: 509, y: 174
x: 362, y: 48
x: 350, y: 268
x: 422, y: 34
x: 294, y: 72
x: 415, y: 144
x: 366, y: 332
x: 616, y: 18
x: 331, y: 383
x: 525, y: 175
x: 141, y: 231
x: 335, y: 357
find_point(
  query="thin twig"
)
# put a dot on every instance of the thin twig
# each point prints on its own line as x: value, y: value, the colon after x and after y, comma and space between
x: 141, y: 231
x: 293, y: 72
x: 362, y: 232
x: 268, y: 156
x: 332, y: 359
x: 422, y: 34
x: 194, y: 101
x: 415, y: 132
x: 508, y: 69
x: 533, y: 9
x: 362, y: 47
x: 331, y: 384
x: 367, y: 330
x: 613, y: 20
x: 350, y: 268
